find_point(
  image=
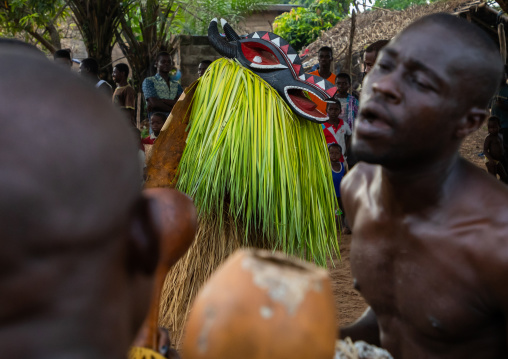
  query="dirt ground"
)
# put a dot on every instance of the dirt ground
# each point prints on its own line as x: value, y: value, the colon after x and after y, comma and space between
x: 349, y: 303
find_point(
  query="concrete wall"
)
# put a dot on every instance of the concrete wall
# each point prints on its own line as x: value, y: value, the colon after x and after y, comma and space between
x: 191, y: 51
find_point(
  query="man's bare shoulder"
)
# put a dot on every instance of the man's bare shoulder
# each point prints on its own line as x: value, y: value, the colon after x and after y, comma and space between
x: 483, y: 210
x: 361, y: 174
x: 482, y: 189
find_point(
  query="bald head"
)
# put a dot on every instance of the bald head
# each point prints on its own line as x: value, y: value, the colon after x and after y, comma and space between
x: 479, y: 64
x: 70, y: 171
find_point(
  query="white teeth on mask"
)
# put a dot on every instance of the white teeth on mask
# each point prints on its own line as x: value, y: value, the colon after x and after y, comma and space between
x: 292, y: 57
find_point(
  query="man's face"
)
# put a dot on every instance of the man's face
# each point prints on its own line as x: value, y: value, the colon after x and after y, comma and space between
x: 335, y: 153
x: 493, y: 127
x: 117, y: 75
x: 325, y: 60
x: 410, y: 101
x: 369, y: 59
x: 342, y: 86
x: 164, y: 64
x: 333, y: 110
x: 157, y: 123
x: 201, y: 69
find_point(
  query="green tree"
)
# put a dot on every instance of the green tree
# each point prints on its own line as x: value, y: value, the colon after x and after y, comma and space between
x: 301, y: 26
x: 35, y: 20
x: 198, y: 13
x: 98, y: 21
x: 145, y: 30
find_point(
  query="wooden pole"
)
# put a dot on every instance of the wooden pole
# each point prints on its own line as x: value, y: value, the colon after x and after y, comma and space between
x: 138, y: 112
x: 502, y: 41
x: 349, y: 59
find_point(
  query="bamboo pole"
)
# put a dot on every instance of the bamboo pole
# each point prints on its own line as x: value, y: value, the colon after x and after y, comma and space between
x: 502, y: 41
x: 349, y: 59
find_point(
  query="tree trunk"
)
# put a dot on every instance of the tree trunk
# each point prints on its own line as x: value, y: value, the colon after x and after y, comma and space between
x: 54, y: 35
x: 98, y: 21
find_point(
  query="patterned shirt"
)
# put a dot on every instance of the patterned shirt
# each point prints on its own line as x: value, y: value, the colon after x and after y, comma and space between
x: 157, y: 87
x: 350, y: 110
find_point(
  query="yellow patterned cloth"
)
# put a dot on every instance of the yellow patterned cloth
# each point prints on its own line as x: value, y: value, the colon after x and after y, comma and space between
x: 143, y: 353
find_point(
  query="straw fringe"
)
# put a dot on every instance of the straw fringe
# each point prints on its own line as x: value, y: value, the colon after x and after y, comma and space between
x: 259, y: 176
x: 213, y: 244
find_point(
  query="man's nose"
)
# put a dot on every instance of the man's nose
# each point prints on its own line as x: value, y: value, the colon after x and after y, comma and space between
x: 388, y: 87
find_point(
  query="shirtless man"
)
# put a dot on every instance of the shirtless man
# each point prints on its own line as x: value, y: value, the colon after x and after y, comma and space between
x: 79, y: 240
x: 429, y: 251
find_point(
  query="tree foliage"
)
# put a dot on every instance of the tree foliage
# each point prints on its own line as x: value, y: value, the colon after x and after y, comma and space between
x: 35, y: 20
x: 145, y: 30
x: 303, y: 25
x: 198, y: 13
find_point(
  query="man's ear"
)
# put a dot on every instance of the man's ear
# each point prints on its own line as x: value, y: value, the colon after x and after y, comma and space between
x: 471, y: 122
x: 163, y: 227
x: 143, y: 239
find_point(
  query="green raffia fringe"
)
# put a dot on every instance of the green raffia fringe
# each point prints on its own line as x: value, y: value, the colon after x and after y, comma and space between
x: 249, y: 154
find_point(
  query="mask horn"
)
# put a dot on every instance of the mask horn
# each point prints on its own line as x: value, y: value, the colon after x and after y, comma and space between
x: 219, y: 43
x: 231, y: 35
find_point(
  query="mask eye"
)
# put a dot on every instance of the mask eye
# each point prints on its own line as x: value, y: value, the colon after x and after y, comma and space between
x: 261, y: 56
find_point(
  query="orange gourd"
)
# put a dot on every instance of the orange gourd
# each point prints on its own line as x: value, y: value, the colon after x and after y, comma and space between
x: 260, y: 305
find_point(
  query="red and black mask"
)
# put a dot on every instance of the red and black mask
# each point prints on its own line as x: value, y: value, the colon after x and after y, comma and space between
x: 276, y: 62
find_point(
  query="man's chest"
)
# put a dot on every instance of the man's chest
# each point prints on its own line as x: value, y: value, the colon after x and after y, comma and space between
x: 414, y: 279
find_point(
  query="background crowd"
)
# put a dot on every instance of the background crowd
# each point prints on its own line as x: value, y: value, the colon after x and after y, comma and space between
x: 162, y: 90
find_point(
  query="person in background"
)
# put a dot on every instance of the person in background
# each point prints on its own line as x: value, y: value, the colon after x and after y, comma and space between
x: 348, y: 102
x: 325, y: 59
x: 499, y: 108
x: 203, y: 65
x: 161, y: 93
x: 335, y: 129
x: 89, y: 68
x: 63, y: 57
x: 124, y: 96
x: 338, y: 172
x: 157, y: 122
x: 370, y: 54
x: 494, y: 150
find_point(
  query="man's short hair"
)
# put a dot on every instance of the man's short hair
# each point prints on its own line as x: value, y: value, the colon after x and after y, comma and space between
x: 62, y: 54
x: 91, y: 65
x: 330, y: 145
x: 326, y: 49
x: 333, y: 101
x: 160, y: 115
x: 123, y: 68
x: 344, y: 75
x: 160, y: 54
x: 206, y: 62
x: 377, y: 46
x: 495, y: 119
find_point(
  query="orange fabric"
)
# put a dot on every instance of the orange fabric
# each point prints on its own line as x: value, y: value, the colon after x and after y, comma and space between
x: 321, y: 105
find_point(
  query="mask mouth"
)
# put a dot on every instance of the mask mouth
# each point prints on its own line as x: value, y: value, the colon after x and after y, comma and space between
x: 302, y: 104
